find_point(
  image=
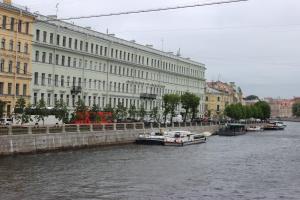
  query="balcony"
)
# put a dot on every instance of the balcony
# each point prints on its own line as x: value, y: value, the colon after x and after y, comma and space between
x: 76, y: 90
x: 148, y: 96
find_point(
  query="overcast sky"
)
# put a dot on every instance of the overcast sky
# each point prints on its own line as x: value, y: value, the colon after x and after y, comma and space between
x: 255, y: 44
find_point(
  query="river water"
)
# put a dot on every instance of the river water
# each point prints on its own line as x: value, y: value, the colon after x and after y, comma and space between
x: 254, y: 166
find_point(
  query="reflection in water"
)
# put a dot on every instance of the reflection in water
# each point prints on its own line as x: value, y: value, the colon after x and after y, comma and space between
x: 255, y: 166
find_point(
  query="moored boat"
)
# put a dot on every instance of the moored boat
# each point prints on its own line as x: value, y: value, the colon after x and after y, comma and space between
x: 154, y: 138
x: 276, y: 125
x: 233, y: 130
x: 254, y: 129
x: 182, y: 138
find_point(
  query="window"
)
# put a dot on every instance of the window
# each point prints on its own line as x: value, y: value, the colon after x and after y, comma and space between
x: 19, y: 47
x: 4, y: 22
x: 20, y: 26
x: 51, y: 38
x: 1, y: 87
x: 9, y: 89
x: 49, y: 79
x: 70, y: 42
x: 68, y: 81
x: 92, y: 48
x: 44, y: 57
x: 63, y: 60
x: 12, y: 24
x: 57, y: 40
x: 75, y: 44
x: 86, y: 46
x: 3, y: 43
x: 18, y: 67
x: 81, y: 45
x: 69, y: 61
x: 36, y: 78
x: 26, y: 48
x: 17, y: 89
x: 10, y: 66
x: 64, y: 41
x: 49, y: 99
x: 43, y: 78
x: 56, y: 59
x: 74, y: 62
x: 11, y: 45
x: 24, y: 89
x: 27, y: 28
x: 34, y: 98
x: 44, y: 36
x: 56, y: 80
x: 37, y: 35
x: 2, y: 65
x: 62, y: 81
x: 25, y: 68
x: 37, y: 56
x: 50, y: 58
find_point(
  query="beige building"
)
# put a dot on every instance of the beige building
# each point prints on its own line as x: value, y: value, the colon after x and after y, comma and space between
x: 15, y: 53
x: 281, y: 108
x: 215, y: 102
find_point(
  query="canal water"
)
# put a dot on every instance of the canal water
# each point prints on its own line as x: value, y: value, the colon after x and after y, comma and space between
x: 254, y: 166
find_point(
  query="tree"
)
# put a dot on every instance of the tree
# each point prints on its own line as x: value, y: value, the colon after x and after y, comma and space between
x: 154, y: 114
x: 81, y: 110
x: 41, y: 111
x: 265, y: 109
x: 121, y: 111
x: 109, y: 108
x: 186, y: 101
x: 170, y: 101
x: 142, y: 112
x: 132, y: 111
x: 195, y: 101
x: 21, y: 111
x: 296, y: 109
x: 61, y: 111
x: 94, y: 117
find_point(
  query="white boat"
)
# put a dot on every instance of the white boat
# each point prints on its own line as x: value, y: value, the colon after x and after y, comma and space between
x: 207, y: 134
x: 254, y: 129
x: 154, y: 138
x: 182, y: 138
x: 276, y: 125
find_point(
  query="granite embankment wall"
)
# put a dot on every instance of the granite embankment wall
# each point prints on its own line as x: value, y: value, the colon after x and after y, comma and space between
x: 20, y: 140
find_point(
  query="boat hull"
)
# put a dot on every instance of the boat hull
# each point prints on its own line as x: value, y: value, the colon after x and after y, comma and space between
x: 230, y: 133
x: 146, y: 141
x: 185, y: 143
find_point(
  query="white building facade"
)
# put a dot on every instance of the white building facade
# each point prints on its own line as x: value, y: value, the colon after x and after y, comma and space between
x: 72, y: 63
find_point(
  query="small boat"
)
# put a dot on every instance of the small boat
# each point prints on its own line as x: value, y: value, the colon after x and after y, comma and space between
x: 254, y: 129
x: 233, y: 130
x: 154, y: 138
x: 182, y: 138
x: 276, y: 125
x: 207, y: 134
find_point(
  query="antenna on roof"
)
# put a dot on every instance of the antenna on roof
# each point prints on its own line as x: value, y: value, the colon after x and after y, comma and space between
x: 178, y: 52
x: 57, y: 8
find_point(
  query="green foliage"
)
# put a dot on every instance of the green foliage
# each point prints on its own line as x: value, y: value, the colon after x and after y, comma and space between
x: 2, y: 105
x: 80, y: 112
x: 21, y: 111
x: 260, y: 110
x: 41, y: 111
x: 132, y: 111
x: 94, y: 114
x: 154, y: 113
x: 170, y: 102
x: 61, y: 111
x: 142, y: 112
x: 296, y: 109
x: 109, y: 108
x: 121, y: 111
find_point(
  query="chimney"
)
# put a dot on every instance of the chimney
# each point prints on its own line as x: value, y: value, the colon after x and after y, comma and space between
x: 7, y: 1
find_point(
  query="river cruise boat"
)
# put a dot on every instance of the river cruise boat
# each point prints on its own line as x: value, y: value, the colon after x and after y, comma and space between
x: 254, y: 129
x: 276, y: 125
x: 182, y: 138
x: 233, y: 130
x: 154, y: 138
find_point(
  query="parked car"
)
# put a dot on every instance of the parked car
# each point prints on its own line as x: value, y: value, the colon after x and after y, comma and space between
x: 6, y: 121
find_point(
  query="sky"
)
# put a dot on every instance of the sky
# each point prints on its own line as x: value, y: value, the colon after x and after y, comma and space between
x: 255, y: 44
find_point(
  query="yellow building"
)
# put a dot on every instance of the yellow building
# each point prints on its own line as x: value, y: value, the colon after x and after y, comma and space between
x: 215, y: 103
x: 15, y: 53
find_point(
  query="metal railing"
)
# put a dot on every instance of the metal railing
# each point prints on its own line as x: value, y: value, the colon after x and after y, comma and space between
x: 86, y: 128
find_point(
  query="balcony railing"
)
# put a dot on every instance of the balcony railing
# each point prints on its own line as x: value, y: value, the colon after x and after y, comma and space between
x: 148, y: 96
x: 76, y: 90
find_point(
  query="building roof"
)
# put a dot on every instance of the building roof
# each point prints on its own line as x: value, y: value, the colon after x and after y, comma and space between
x: 16, y: 8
